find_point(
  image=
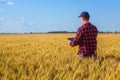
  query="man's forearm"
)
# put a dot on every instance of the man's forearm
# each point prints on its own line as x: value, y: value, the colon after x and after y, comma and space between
x: 76, y: 40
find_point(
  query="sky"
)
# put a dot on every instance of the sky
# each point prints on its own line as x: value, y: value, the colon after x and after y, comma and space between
x: 19, y: 16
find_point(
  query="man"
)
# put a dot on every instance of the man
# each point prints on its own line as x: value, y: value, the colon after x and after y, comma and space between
x: 85, y: 37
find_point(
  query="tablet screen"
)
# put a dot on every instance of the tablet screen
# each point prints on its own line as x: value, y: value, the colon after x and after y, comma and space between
x: 71, y: 39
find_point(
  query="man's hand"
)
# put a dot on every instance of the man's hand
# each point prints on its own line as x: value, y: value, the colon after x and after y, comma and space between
x: 69, y: 42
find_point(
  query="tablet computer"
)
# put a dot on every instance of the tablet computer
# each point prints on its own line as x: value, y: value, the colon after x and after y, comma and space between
x: 71, y: 39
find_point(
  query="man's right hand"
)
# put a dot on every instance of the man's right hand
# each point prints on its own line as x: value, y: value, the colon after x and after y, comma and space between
x: 69, y: 42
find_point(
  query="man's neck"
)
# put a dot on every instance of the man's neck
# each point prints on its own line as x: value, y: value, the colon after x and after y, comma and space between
x: 85, y: 22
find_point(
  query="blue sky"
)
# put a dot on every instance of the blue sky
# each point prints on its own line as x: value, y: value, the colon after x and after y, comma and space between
x: 57, y: 15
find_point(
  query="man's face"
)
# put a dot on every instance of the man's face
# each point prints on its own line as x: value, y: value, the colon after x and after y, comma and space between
x: 82, y: 19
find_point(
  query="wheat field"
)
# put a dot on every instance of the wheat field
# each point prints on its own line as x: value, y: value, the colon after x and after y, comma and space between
x: 49, y: 57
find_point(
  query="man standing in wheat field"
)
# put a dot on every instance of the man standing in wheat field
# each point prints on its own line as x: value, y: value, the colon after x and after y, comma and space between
x: 86, y: 37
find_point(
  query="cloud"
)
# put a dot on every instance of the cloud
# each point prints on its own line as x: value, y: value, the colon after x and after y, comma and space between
x: 10, y: 3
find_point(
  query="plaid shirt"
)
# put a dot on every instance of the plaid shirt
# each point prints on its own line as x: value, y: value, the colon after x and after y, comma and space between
x: 86, y: 39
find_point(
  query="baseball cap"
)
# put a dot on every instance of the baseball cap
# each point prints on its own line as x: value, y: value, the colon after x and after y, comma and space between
x: 85, y: 14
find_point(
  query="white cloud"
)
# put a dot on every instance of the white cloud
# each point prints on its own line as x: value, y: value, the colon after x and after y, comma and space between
x: 10, y: 3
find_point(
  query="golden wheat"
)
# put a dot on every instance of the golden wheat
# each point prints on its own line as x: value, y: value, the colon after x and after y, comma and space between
x: 49, y: 57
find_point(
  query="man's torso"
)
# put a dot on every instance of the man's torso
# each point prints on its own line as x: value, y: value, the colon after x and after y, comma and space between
x: 88, y: 42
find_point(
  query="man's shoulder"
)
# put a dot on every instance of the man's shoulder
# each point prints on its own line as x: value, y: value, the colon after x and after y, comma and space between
x: 86, y: 27
x: 89, y: 25
x: 93, y: 26
x: 82, y: 27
